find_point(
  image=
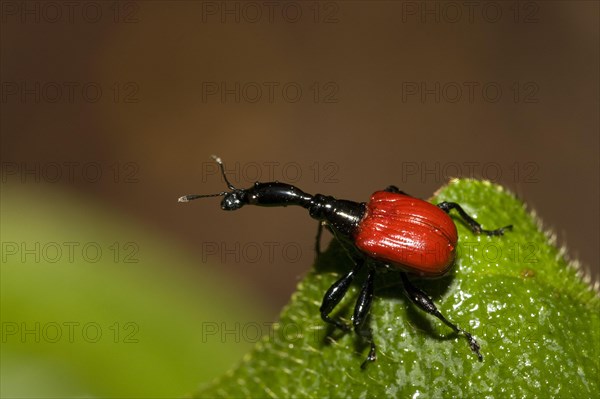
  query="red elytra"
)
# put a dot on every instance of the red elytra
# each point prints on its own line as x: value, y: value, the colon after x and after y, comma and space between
x: 408, y: 233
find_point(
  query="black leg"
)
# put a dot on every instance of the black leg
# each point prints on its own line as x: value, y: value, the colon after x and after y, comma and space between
x: 334, y: 295
x: 473, y: 225
x: 423, y: 301
x: 318, y: 239
x: 394, y: 189
x: 361, y: 313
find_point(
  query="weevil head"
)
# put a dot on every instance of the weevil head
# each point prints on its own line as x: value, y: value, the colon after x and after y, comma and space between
x: 233, y: 199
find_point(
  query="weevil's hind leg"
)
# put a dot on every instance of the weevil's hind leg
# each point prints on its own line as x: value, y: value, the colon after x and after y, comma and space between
x: 395, y: 190
x: 422, y: 300
x: 334, y: 295
x: 473, y: 225
x: 361, y: 313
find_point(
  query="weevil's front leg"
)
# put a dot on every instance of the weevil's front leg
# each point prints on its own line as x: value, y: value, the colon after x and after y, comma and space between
x: 335, y: 293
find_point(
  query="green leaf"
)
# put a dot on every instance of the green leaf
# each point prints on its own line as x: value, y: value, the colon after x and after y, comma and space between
x: 535, y: 317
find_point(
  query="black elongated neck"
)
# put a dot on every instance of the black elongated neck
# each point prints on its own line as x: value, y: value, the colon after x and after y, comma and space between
x: 276, y: 194
x: 342, y: 215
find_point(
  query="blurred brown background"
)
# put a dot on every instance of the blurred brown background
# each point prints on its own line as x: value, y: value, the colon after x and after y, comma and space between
x: 124, y: 102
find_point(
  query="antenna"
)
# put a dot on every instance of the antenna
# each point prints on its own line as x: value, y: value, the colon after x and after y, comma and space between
x: 190, y: 197
x: 218, y: 160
